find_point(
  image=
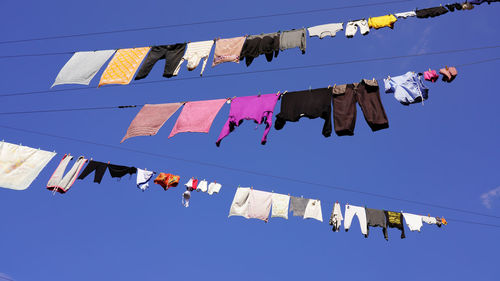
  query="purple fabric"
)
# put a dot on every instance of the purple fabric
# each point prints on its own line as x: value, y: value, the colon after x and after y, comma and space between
x: 257, y: 108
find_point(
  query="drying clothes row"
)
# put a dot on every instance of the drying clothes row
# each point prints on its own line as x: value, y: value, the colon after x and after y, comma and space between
x: 251, y: 203
x: 203, y: 186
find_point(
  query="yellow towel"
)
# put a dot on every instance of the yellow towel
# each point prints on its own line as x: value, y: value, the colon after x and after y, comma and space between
x: 122, y: 67
x: 383, y: 21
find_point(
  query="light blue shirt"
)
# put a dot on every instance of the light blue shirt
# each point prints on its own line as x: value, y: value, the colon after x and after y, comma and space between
x: 408, y: 88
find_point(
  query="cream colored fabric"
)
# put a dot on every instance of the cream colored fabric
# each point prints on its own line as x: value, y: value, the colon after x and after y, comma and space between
x: 259, y: 204
x: 195, y: 52
x: 313, y: 210
x: 280, y: 206
x: 239, y: 207
x: 123, y: 66
x: 214, y: 187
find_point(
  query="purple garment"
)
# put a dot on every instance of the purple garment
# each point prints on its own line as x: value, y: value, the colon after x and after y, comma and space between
x: 257, y: 108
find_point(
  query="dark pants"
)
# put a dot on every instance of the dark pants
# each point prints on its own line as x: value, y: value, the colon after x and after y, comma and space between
x: 99, y: 167
x: 172, y: 55
x: 344, y: 108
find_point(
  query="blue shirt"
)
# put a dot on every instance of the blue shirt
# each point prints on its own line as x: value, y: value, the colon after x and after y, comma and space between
x: 408, y: 88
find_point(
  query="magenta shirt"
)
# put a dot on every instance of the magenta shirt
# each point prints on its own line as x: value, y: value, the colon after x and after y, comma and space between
x: 257, y: 108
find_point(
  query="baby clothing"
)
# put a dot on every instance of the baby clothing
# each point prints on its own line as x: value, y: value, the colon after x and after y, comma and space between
x: 167, y: 180
x: 258, y: 108
x: 376, y: 218
x: 383, y: 21
x: 239, y: 207
x: 259, y: 204
x: 298, y: 205
x: 228, y: 50
x: 192, y: 184
x: 313, y: 210
x: 195, y: 52
x: 406, y: 14
x: 60, y: 182
x: 352, y: 27
x: 123, y: 65
x: 431, y: 75
x: 143, y: 178
x: 202, y: 186
x: 280, y: 206
x: 414, y: 222
x: 172, y: 54
x: 324, y: 30
x: 431, y: 12
x: 449, y: 73
x: 295, y: 38
x: 336, y: 217
x: 407, y: 88
x: 350, y: 211
x: 395, y: 220
x: 214, y: 187
x: 256, y: 45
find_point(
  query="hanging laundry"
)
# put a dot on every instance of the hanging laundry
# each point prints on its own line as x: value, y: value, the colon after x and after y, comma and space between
x: 192, y: 184
x: 197, y: 116
x: 431, y: 75
x: 98, y: 167
x: 82, y: 67
x: 239, y: 207
x: 352, y: 27
x: 479, y: 2
x: 407, y: 88
x: 264, y: 44
x: 214, y: 187
x: 309, y: 103
x: 143, y: 178
x: 395, y: 220
x: 404, y: 15
x: 258, y: 108
x: 376, y: 218
x: 280, y: 206
x: 367, y: 95
x: 452, y: 7
x: 414, y: 222
x: 167, y: 180
x: 172, y: 54
x: 150, y: 119
x: 467, y: 6
x: 434, y: 220
x: 259, y: 204
x: 185, y: 198
x: 449, y: 73
x: 324, y: 30
x: 431, y: 12
x: 202, y: 186
x: 118, y: 171
x: 196, y: 52
x: 383, y: 21
x: 313, y: 210
x: 20, y: 165
x: 228, y: 50
x: 123, y: 65
x: 336, y: 217
x: 298, y: 205
x: 350, y: 211
x: 61, y: 183
x: 295, y: 38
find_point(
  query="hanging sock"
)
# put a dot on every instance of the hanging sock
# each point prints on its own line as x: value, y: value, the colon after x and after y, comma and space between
x: 280, y: 206
x: 228, y: 50
x: 143, y: 178
x: 123, y: 66
x: 202, y: 186
x: 336, y: 217
x: 449, y: 73
x: 214, y: 187
x: 60, y: 183
x: 118, y: 171
x: 239, y: 207
x: 352, y: 27
x: 82, y: 67
x: 197, y: 116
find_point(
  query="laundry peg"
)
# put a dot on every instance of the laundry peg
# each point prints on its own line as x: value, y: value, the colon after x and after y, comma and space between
x: 446, y: 67
x: 429, y: 69
x: 108, y: 162
x: 373, y: 79
x: 258, y: 94
x: 288, y: 194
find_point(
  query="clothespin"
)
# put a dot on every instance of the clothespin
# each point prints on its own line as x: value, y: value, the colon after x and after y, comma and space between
x: 91, y: 158
x: 388, y: 77
x: 278, y: 93
x: 285, y: 92
x: 336, y: 202
x: 108, y: 162
x: 429, y: 215
x: 373, y: 79
x: 446, y: 67
x: 329, y: 86
x: 429, y: 69
x: 288, y: 194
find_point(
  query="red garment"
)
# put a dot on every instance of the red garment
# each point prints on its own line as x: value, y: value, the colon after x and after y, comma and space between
x: 195, y: 184
x: 167, y: 180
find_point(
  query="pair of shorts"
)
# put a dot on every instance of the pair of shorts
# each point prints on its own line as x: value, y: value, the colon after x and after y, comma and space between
x: 352, y: 27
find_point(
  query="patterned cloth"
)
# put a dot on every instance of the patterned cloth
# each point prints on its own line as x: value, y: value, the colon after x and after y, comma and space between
x: 123, y: 66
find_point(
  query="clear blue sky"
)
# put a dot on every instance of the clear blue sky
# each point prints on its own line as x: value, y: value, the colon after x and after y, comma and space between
x: 445, y: 152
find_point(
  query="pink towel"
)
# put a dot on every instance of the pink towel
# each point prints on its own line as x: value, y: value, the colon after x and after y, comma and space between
x: 197, y: 116
x: 259, y: 204
x: 150, y: 119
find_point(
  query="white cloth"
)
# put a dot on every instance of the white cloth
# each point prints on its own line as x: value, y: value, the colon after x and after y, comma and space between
x: 429, y: 220
x: 82, y: 67
x: 189, y: 184
x: 202, y: 186
x: 324, y: 30
x: 280, y: 206
x: 336, y: 217
x: 350, y: 211
x: 239, y: 207
x: 352, y: 27
x: 313, y: 210
x: 259, y: 204
x: 414, y: 222
x: 20, y: 165
x: 406, y: 14
x: 195, y: 52
x: 62, y: 183
x: 185, y: 198
x: 143, y: 178
x: 214, y: 187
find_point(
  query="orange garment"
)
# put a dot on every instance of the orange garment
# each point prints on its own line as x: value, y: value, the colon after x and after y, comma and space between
x: 443, y: 220
x: 122, y: 67
x: 167, y: 180
x: 383, y: 21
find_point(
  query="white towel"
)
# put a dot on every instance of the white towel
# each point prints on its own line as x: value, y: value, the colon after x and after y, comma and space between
x: 214, y: 187
x: 239, y: 207
x: 414, y: 222
x: 280, y: 206
x: 313, y: 210
x: 143, y: 178
x: 202, y: 186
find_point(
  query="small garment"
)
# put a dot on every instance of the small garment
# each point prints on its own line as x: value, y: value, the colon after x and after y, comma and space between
x: 479, y: 2
x: 367, y: 95
x: 118, y: 171
x: 352, y: 27
x: 336, y: 217
x: 414, y: 222
x: 350, y: 211
x: 280, y: 206
x: 259, y: 204
x: 309, y: 103
x: 123, y: 65
x: 82, y: 67
x: 185, y: 198
x: 150, y: 119
x: 324, y: 30
x: 192, y: 184
x: 383, y: 21
x: 167, y: 180
x: 214, y: 187
x: 452, y: 7
x: 406, y: 14
x: 257, y: 108
x: 376, y: 218
x: 298, y: 205
x: 449, y: 73
x: 98, y: 167
x: 295, y: 38
x: 431, y: 12
x: 264, y: 44
x: 197, y: 116
x: 228, y: 50
x: 395, y: 220
x: 195, y: 52
x: 407, y: 88
x: 432, y: 220
x: 467, y: 6
x: 313, y: 210
x: 143, y: 178
x: 239, y: 207
x: 61, y: 183
x: 172, y: 54
x: 202, y: 186
x: 431, y: 75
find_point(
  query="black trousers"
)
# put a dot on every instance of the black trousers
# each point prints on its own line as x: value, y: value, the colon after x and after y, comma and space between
x: 172, y: 55
x: 98, y: 167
